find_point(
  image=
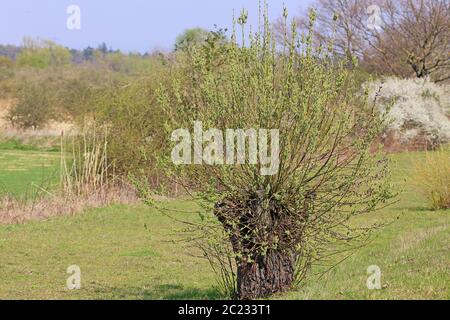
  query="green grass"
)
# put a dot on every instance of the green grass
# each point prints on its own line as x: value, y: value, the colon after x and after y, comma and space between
x: 46, y: 144
x: 119, y: 257
x: 130, y: 252
x: 413, y: 252
x: 24, y: 170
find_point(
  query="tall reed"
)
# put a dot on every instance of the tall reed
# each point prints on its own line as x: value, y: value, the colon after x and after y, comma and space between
x: 85, y: 168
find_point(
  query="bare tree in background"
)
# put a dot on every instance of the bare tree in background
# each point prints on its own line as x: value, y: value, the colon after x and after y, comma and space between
x: 338, y: 21
x: 414, y: 39
x: 410, y: 38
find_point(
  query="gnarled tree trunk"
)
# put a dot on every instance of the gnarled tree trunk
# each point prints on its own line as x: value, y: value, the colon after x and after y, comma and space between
x: 261, y: 270
x: 269, y: 274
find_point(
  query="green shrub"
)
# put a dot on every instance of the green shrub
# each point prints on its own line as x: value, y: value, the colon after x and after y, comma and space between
x: 262, y: 232
x: 190, y: 38
x: 75, y: 96
x: 43, y: 54
x: 6, y: 74
x: 34, y: 107
x: 6, y: 68
x: 135, y: 123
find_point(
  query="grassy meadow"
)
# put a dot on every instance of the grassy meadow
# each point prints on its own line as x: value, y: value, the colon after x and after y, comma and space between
x: 316, y: 141
x: 134, y: 252
x: 23, y: 169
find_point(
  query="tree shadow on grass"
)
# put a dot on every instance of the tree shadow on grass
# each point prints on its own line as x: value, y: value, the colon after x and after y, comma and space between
x: 179, y: 292
x: 160, y: 292
x: 419, y: 209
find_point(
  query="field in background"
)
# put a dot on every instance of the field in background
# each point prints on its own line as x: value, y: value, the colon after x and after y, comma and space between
x: 23, y: 169
x: 29, y: 160
x: 133, y: 252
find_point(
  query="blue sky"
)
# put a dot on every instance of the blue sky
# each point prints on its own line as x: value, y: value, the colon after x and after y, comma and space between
x: 129, y: 25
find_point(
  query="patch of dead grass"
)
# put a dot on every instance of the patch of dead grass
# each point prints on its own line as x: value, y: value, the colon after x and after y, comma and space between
x: 412, y: 239
x: 15, y: 211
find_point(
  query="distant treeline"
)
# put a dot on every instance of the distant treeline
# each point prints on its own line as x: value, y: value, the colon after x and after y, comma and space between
x: 77, y: 56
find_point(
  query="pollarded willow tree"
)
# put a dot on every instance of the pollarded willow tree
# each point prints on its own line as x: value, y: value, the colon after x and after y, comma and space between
x: 265, y: 229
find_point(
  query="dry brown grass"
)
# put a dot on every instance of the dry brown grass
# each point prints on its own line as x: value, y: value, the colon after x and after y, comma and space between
x: 432, y: 178
x: 47, y: 205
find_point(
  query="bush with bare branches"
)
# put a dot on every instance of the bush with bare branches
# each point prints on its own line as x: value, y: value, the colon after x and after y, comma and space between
x: 263, y: 233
